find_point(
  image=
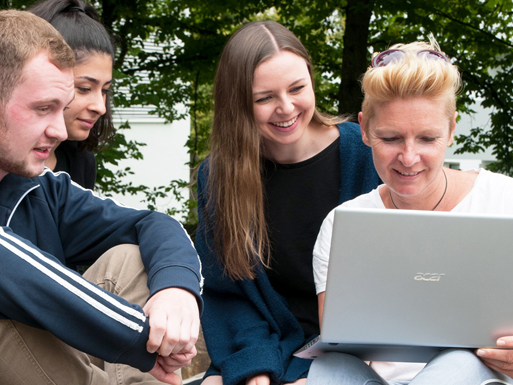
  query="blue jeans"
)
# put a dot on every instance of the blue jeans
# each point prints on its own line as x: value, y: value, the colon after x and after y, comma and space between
x: 450, y: 367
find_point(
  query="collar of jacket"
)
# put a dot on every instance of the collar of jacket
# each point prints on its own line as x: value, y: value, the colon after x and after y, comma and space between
x: 13, y: 188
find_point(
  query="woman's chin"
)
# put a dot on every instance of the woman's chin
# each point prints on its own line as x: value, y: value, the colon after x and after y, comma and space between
x: 78, y: 137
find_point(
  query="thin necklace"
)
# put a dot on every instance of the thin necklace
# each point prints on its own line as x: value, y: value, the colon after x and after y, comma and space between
x: 433, y: 209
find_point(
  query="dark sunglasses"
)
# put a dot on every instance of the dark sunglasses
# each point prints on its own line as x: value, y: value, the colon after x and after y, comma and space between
x: 392, y: 55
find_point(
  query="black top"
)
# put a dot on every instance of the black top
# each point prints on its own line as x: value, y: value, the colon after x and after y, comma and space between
x: 297, y: 199
x: 81, y: 166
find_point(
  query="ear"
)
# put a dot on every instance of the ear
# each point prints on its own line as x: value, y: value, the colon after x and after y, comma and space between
x: 453, y: 128
x: 362, y: 122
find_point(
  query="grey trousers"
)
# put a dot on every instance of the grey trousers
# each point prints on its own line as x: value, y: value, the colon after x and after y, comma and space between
x: 32, y: 356
x: 450, y: 367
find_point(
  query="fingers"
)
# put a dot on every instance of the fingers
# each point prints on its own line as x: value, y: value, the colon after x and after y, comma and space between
x: 172, y: 335
x: 165, y: 367
x: 497, y: 359
x: 505, y: 342
x: 176, y: 361
x: 174, y: 322
x: 168, y: 334
x: 193, y: 334
x: 165, y: 376
x: 158, y: 330
x: 259, y: 379
x: 497, y: 366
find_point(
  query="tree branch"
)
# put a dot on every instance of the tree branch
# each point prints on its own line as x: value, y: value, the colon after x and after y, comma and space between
x: 468, y: 25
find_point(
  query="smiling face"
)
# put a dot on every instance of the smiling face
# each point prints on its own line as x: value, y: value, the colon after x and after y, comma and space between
x: 93, y: 77
x: 408, y: 139
x: 32, y: 122
x: 283, y: 101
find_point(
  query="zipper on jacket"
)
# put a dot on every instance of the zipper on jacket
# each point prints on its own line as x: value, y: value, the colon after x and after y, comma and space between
x: 18, y: 203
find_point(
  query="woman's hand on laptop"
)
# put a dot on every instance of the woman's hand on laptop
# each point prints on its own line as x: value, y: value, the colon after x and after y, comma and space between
x: 500, y: 360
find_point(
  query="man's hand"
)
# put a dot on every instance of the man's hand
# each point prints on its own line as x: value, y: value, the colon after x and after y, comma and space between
x: 259, y: 379
x: 165, y: 366
x: 174, y: 322
x: 500, y: 360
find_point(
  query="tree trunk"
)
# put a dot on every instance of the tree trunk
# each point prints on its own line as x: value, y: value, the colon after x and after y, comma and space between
x: 354, y: 58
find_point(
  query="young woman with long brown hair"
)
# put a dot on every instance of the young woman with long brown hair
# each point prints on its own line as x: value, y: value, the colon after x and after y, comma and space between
x: 277, y: 166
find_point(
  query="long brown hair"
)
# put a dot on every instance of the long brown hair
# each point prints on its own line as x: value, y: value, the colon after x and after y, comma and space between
x: 236, y: 193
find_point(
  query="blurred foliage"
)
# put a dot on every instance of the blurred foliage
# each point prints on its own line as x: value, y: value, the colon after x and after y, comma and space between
x: 340, y: 36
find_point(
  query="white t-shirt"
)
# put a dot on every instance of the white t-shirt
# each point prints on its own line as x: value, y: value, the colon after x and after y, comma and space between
x: 492, y: 194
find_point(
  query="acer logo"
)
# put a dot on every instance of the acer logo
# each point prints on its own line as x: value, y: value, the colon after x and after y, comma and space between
x: 432, y: 277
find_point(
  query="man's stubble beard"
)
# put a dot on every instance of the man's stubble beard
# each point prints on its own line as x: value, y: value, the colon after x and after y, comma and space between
x: 6, y: 164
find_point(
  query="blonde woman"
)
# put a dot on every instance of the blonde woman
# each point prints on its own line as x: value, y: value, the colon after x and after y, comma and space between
x: 408, y: 118
x: 276, y: 168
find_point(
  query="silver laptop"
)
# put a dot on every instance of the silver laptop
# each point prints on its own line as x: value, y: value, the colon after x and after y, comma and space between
x: 404, y: 284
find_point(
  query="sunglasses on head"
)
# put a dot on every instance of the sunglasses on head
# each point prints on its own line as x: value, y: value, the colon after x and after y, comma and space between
x: 393, y: 55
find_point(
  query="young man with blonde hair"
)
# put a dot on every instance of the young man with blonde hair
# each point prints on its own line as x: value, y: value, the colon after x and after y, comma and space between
x: 139, y: 304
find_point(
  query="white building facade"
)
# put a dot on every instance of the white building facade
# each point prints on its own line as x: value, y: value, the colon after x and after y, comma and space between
x: 164, y: 156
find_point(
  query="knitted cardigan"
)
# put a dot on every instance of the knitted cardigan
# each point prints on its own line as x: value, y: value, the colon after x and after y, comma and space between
x: 247, y: 325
